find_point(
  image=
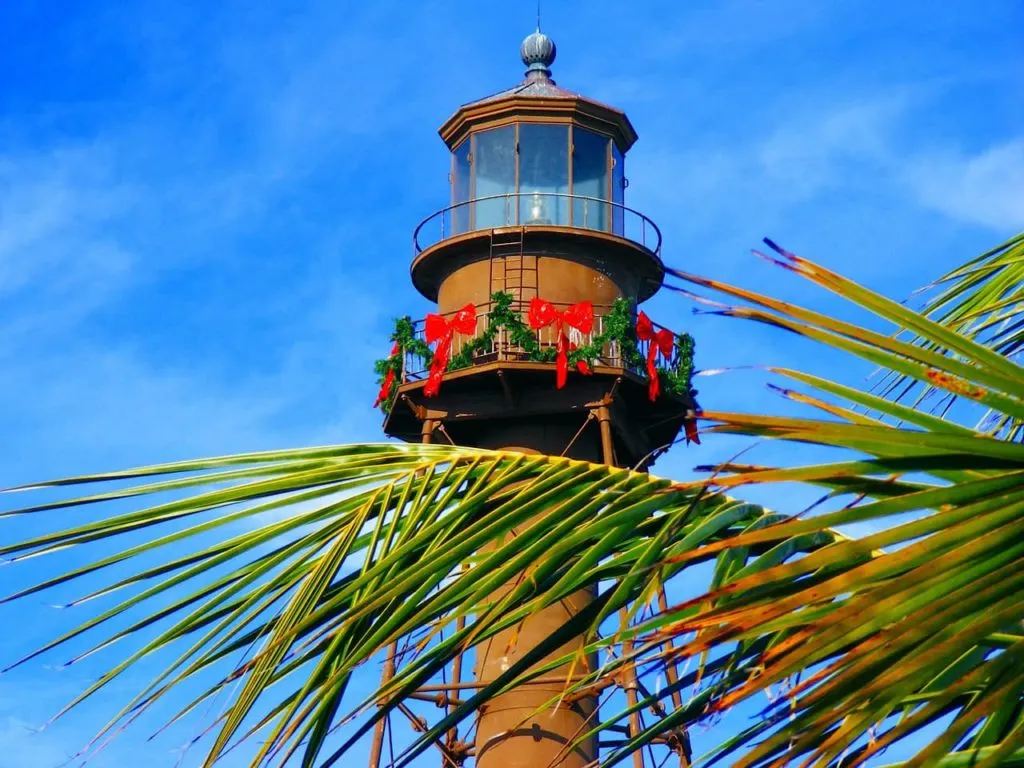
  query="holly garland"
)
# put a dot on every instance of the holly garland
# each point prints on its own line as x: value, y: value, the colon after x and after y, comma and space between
x: 389, y: 370
x: 519, y: 335
x: 678, y: 378
x: 619, y: 327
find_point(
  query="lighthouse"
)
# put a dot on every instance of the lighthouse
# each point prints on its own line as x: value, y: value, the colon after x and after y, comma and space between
x: 539, y: 343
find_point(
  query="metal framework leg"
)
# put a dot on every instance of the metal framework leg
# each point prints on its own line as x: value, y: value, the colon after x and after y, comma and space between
x: 377, y: 747
x: 630, y: 684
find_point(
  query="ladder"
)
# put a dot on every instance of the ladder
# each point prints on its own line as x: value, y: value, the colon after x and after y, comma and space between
x: 511, y: 270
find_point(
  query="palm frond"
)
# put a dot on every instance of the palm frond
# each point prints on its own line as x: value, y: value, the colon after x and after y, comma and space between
x: 981, y: 300
x: 328, y: 556
x: 916, y: 621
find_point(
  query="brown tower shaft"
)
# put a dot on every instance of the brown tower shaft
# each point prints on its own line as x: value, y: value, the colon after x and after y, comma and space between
x: 509, y: 733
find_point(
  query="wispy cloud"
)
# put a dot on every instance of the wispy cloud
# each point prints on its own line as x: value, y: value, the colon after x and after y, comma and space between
x: 859, y: 157
x: 833, y: 145
x: 985, y: 188
x: 60, y: 252
x: 150, y: 212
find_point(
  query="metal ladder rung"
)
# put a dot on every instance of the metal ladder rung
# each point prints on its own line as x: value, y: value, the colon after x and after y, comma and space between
x: 515, y: 274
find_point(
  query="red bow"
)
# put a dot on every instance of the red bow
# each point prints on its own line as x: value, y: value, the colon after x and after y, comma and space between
x: 579, y: 316
x: 690, y: 425
x: 389, y: 379
x: 440, y: 330
x: 662, y: 341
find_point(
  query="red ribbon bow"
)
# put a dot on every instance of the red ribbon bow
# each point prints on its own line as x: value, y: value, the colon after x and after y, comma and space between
x: 662, y: 341
x: 579, y: 316
x: 690, y: 425
x: 440, y: 330
x: 389, y: 379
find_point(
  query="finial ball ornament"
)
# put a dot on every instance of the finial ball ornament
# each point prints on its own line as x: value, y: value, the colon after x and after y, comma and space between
x: 538, y: 50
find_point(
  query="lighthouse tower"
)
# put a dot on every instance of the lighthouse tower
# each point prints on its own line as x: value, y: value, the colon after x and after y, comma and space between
x: 539, y: 343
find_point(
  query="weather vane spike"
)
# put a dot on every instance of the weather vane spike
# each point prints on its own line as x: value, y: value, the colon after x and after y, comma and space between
x: 538, y: 15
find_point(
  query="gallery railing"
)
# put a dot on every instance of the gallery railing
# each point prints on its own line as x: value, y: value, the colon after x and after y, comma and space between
x: 502, y: 348
x: 547, y: 209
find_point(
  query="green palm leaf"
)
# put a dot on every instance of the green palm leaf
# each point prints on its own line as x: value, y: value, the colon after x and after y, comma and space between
x: 980, y: 300
x: 869, y: 624
x: 348, y: 550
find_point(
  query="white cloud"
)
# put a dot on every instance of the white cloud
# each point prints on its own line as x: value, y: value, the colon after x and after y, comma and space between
x: 985, y: 188
x: 86, y: 223
x: 59, y: 253
x: 850, y: 152
x: 814, y: 151
x: 766, y: 179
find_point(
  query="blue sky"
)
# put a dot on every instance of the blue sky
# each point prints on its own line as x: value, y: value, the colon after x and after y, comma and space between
x: 206, y: 209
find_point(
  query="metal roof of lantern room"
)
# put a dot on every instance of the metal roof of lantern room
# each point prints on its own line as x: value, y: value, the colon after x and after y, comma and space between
x: 538, y: 98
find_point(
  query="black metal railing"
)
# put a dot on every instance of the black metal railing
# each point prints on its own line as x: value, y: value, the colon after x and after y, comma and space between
x: 548, y: 209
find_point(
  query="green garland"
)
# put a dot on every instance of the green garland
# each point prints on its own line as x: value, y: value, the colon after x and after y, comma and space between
x: 619, y: 326
x: 678, y: 377
x: 404, y: 338
x: 519, y: 335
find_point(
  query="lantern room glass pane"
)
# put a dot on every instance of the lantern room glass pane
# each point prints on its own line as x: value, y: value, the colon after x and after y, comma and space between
x: 543, y: 174
x: 618, y: 189
x: 494, y: 161
x: 589, y: 179
x: 460, y: 188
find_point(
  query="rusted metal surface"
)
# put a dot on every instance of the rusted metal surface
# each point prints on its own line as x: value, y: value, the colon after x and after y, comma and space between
x: 635, y: 270
x: 550, y: 278
x: 471, y: 284
x: 473, y: 402
x: 509, y: 734
x: 451, y: 695
x: 604, y: 419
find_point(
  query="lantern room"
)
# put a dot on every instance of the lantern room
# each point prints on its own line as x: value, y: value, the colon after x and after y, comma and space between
x: 531, y: 173
x: 537, y: 154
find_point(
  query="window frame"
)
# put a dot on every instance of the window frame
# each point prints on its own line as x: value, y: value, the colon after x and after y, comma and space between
x: 573, y: 126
